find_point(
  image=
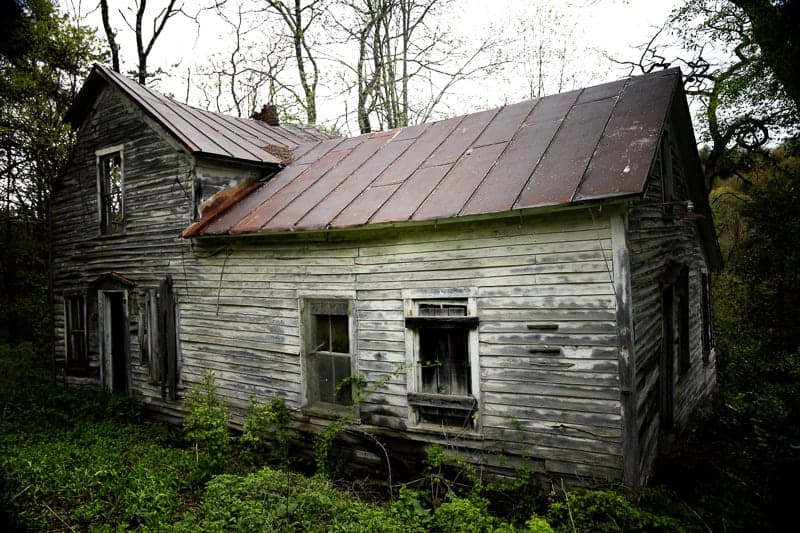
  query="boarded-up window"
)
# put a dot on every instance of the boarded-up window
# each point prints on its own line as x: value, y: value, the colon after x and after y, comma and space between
x: 328, y: 351
x: 443, y: 392
x: 110, y: 185
x: 75, y: 322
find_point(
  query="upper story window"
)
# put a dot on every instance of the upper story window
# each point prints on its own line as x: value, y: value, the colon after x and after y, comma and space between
x: 110, y: 190
x: 328, y: 361
x: 443, y: 377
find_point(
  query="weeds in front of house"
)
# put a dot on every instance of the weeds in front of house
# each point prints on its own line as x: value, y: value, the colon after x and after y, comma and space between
x: 75, y: 460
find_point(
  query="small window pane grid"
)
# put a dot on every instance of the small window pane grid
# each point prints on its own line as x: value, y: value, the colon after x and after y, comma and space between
x: 111, y: 195
x: 77, y: 356
x: 329, y: 358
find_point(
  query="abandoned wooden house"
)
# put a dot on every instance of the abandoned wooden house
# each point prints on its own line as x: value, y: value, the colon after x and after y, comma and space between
x: 529, y: 284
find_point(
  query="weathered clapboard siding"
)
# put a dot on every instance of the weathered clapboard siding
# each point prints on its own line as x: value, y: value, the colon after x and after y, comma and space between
x: 655, y: 239
x: 551, y: 269
x: 157, y: 179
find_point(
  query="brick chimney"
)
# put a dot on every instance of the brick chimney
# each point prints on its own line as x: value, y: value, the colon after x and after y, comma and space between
x: 268, y: 114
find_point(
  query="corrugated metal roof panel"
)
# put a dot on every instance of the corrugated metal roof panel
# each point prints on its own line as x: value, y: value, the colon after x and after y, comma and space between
x: 624, y: 154
x: 452, y: 193
x: 505, y: 181
x: 562, y: 166
x: 199, y: 131
x: 347, y: 191
x: 551, y: 151
x: 414, y: 157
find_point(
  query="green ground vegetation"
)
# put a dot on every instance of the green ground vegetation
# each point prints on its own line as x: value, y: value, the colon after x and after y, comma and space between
x: 77, y: 460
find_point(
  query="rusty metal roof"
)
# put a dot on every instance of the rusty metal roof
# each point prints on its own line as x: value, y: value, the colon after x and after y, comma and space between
x: 590, y: 144
x: 201, y: 132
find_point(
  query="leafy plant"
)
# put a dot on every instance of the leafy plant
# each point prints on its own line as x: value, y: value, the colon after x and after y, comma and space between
x: 606, y: 511
x: 266, y: 433
x: 278, y: 500
x: 206, y: 425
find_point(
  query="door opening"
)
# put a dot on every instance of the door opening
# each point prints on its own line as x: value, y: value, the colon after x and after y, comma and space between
x: 114, y: 328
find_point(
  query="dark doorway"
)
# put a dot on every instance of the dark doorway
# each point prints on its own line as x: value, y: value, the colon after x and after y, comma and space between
x: 118, y: 346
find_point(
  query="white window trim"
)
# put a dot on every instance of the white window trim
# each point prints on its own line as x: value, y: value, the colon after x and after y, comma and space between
x: 97, y: 155
x: 302, y: 297
x: 411, y: 300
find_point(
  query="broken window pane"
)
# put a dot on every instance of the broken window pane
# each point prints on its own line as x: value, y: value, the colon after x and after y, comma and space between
x: 111, y: 196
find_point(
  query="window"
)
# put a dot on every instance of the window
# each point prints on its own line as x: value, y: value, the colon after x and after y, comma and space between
x: 684, y: 355
x: 328, y: 351
x: 75, y: 323
x: 110, y: 189
x: 443, y: 379
x: 708, y: 325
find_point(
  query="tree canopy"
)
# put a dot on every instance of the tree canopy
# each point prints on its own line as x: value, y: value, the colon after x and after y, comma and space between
x: 44, y: 59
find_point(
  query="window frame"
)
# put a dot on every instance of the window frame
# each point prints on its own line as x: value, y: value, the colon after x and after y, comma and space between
x: 707, y: 316
x: 309, y: 380
x: 104, y: 227
x: 683, y: 329
x: 418, y: 400
x: 70, y: 365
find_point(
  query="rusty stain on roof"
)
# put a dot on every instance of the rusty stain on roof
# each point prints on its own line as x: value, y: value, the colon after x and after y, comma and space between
x: 201, y: 132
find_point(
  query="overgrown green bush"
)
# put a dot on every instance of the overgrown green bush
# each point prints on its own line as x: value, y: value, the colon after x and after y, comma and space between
x: 206, y: 425
x: 266, y: 433
x: 279, y: 500
x: 606, y: 511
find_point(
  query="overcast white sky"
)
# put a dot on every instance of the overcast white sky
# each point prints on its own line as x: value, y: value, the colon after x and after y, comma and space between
x: 598, y: 27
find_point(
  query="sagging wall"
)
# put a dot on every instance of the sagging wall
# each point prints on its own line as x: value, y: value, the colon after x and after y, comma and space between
x: 659, y: 237
x: 241, y: 319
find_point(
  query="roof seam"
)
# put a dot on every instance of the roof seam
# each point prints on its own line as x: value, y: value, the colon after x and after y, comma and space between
x: 338, y: 185
x: 503, y: 151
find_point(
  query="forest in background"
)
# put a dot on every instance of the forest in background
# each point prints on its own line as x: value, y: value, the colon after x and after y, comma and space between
x: 738, y: 461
